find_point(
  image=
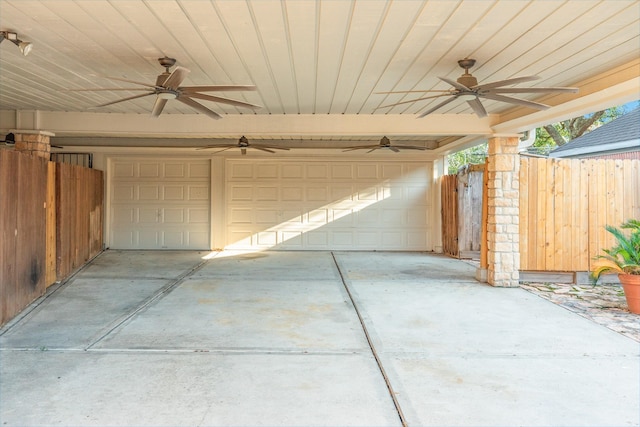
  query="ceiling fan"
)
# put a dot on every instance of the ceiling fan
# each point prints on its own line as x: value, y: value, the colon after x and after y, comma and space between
x: 167, y: 87
x: 385, y: 143
x: 243, y: 144
x: 466, y: 87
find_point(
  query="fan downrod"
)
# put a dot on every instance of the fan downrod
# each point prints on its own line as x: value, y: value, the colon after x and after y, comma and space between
x: 167, y: 62
x: 467, y: 63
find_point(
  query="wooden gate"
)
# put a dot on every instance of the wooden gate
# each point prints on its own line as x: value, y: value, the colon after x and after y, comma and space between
x: 462, y: 212
x: 449, y: 194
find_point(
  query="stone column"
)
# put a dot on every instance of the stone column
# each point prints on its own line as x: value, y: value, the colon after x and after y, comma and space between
x: 503, y: 230
x: 33, y: 142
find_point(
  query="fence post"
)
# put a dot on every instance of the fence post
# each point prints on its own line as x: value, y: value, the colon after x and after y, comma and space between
x: 503, y: 256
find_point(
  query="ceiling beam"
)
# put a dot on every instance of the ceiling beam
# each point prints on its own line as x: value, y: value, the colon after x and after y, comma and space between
x: 272, y: 126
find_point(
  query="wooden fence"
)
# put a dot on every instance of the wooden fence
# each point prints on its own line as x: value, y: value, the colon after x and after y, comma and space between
x: 79, y: 199
x: 23, y: 185
x: 449, y: 202
x: 51, y: 223
x: 461, y: 212
x: 565, y: 205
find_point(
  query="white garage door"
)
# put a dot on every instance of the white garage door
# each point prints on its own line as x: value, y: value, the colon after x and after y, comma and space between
x: 160, y: 204
x: 319, y: 205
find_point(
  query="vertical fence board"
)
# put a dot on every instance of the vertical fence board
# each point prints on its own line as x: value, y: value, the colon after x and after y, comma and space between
x: 51, y: 225
x: 484, y: 249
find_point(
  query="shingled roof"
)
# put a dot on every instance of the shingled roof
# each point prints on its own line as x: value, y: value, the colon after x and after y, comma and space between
x: 617, y: 136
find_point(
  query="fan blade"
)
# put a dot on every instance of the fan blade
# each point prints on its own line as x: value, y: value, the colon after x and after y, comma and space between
x: 478, y: 108
x: 410, y: 147
x: 271, y: 147
x: 225, y: 149
x: 124, y: 99
x: 208, y: 147
x: 361, y: 147
x: 412, y: 100
x: 158, y: 106
x: 455, y: 84
x: 394, y: 149
x: 132, y: 81
x: 104, y: 89
x: 262, y: 148
x: 201, y: 108
x: 216, y: 88
x: 517, y: 101
x: 507, y: 82
x: 220, y: 100
x: 442, y: 104
x: 410, y: 91
x: 175, y: 78
x: 534, y: 90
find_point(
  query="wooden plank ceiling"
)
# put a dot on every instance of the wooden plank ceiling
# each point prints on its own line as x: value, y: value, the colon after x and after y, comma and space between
x: 306, y: 57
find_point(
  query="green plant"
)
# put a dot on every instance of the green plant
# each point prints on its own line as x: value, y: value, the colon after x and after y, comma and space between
x: 624, y: 256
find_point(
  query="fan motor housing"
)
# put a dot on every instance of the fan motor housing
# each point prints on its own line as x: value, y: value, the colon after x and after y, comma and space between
x: 468, y: 80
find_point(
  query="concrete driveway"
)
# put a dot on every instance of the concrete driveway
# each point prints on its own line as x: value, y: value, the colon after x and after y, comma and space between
x: 307, y: 339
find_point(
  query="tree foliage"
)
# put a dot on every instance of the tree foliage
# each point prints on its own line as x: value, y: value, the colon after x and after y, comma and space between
x: 557, y: 134
x: 547, y: 137
x: 471, y: 156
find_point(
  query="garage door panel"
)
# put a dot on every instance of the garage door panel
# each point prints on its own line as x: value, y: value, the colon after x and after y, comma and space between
x: 318, y: 216
x: 173, y: 239
x: 125, y: 239
x: 327, y: 204
x: 341, y: 171
x: 148, y: 216
x: 149, y: 170
x: 175, y: 170
x: 292, y: 239
x: 198, y: 239
x: 367, y: 171
x: 317, y: 194
x: 124, y: 216
x: 173, y: 193
x: 265, y: 194
x: 292, y: 194
x: 160, y: 204
x: 124, y: 193
x: 148, y: 192
x: 148, y: 238
x: 240, y: 170
x: 241, y: 193
x: 173, y: 216
x: 199, y: 171
x: 392, y: 239
x: 267, y: 171
x: 124, y: 170
x: 341, y: 192
x: 198, y: 216
x: 343, y: 239
x: 292, y: 171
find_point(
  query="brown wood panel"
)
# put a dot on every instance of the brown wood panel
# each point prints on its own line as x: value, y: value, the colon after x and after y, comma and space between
x: 79, y: 218
x: 484, y: 248
x: 469, y: 193
x: 449, y: 215
x: 50, y: 275
x: 9, y: 230
x: 565, y: 205
x: 23, y: 183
